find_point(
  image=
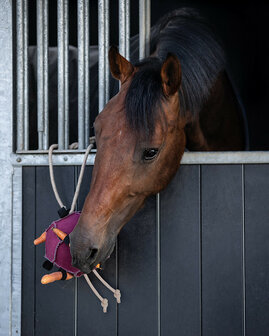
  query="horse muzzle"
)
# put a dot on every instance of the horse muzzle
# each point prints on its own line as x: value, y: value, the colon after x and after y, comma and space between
x: 86, y: 256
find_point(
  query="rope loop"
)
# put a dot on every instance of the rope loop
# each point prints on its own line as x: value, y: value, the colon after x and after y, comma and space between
x: 52, y: 179
x: 117, y: 295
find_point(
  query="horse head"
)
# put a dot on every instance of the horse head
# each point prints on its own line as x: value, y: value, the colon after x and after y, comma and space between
x: 140, y: 140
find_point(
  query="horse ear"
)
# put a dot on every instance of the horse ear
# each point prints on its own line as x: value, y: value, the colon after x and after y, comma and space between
x: 120, y: 68
x: 171, y: 74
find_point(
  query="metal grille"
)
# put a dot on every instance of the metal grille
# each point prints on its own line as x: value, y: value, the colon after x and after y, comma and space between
x: 84, y: 80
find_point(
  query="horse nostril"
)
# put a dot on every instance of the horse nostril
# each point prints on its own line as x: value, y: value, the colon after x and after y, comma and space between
x: 82, y: 261
x: 91, y: 254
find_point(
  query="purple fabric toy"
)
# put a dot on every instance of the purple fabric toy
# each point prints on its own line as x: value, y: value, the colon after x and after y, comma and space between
x: 56, y: 250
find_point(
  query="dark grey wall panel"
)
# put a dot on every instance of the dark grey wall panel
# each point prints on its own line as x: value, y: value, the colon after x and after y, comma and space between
x: 90, y: 317
x: 222, y: 294
x: 257, y: 249
x: 28, y: 252
x: 180, y: 254
x: 202, y: 260
x: 137, y: 268
x: 54, y: 302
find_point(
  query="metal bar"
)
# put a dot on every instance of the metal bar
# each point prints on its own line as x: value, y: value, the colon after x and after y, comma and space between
x: 83, y: 74
x: 63, y: 96
x: 127, y: 34
x: 42, y: 74
x: 66, y: 75
x: 107, y: 71
x: 87, y: 74
x: 6, y: 170
x: 67, y: 159
x: 144, y: 28
x: 225, y: 158
x: 26, y: 83
x: 33, y: 158
x: 22, y: 76
x: 16, y: 250
x: 124, y: 28
x: 103, y: 44
x: 148, y: 23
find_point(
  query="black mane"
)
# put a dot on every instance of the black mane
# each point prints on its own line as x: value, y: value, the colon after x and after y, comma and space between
x: 184, y: 33
x: 144, y: 95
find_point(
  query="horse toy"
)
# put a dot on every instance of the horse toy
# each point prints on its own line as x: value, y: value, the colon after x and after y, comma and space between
x: 56, y: 239
x: 57, y: 249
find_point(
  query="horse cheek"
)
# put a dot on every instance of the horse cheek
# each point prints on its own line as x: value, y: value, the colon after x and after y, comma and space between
x: 175, y: 154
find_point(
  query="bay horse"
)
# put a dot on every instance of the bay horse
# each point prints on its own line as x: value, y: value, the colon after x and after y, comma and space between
x: 179, y: 97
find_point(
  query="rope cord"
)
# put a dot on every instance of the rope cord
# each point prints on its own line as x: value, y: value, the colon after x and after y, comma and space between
x: 52, y: 180
x: 116, y: 292
x: 104, y: 301
x: 80, y: 178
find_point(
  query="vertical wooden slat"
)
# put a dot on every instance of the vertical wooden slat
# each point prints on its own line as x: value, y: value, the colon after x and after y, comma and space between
x: 257, y: 249
x: 222, y: 269
x: 137, y: 277
x: 180, y: 254
x: 54, y: 303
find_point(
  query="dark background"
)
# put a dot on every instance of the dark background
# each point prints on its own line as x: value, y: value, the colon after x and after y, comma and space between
x: 243, y: 29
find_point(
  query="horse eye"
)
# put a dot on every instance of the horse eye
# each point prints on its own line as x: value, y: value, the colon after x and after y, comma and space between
x: 150, y: 154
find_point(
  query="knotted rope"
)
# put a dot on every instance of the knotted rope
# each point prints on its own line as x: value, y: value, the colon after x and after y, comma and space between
x: 116, y: 292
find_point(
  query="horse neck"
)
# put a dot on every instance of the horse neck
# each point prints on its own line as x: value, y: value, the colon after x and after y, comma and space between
x: 219, y: 126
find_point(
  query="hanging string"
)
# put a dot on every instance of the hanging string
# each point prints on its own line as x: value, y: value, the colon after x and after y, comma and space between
x: 52, y: 180
x: 116, y: 292
x: 104, y: 301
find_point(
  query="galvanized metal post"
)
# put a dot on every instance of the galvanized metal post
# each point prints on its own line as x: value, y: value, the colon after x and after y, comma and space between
x: 42, y: 74
x: 103, y: 44
x: 16, y: 261
x: 124, y: 28
x: 22, y: 76
x: 6, y: 170
x: 63, y: 95
x: 83, y: 74
x: 144, y: 28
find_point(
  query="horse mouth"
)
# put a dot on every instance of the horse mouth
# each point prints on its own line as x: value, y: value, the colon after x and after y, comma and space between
x: 99, y: 262
x: 96, y: 265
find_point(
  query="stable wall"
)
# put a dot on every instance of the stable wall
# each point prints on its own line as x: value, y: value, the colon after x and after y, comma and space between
x: 193, y: 262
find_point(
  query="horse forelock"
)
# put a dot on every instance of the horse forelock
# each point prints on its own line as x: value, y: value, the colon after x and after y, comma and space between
x: 144, y: 97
